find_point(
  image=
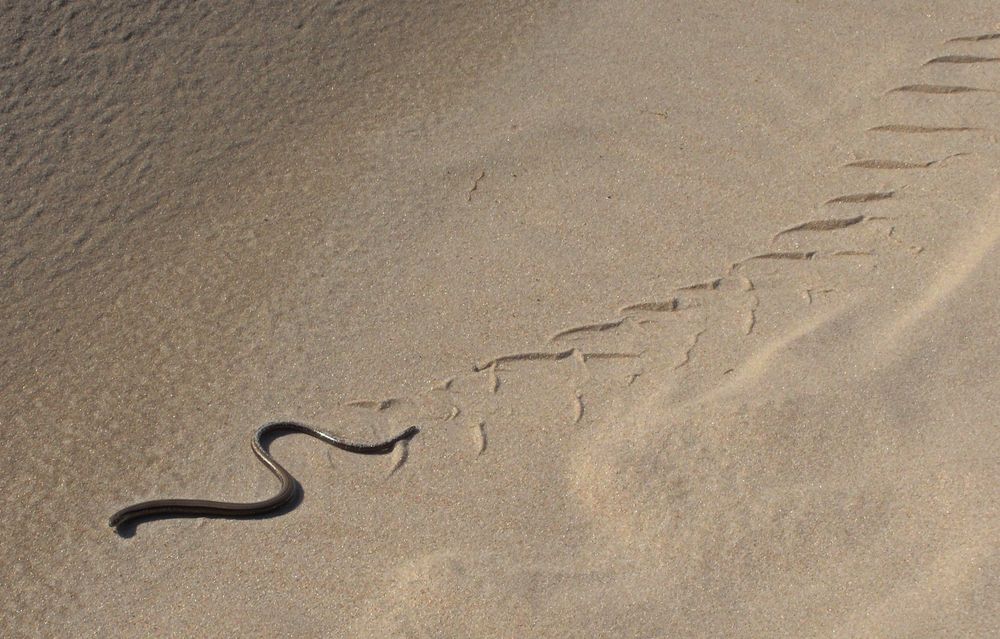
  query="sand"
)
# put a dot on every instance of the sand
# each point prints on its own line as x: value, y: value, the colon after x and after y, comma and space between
x: 762, y: 281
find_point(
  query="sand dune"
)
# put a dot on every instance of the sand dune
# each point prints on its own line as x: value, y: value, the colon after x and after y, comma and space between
x: 693, y: 304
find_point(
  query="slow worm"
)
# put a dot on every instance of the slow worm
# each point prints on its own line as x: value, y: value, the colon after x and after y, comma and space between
x: 286, y: 493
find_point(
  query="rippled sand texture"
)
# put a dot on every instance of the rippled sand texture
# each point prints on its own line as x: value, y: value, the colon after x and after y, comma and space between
x: 694, y: 304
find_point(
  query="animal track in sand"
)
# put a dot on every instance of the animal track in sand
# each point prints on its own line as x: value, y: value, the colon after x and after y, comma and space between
x: 916, y: 128
x: 690, y: 349
x: 710, y: 285
x: 831, y: 224
x: 862, y: 198
x: 575, y: 331
x: 899, y: 164
x: 633, y: 313
x: 427, y: 405
x: 938, y: 89
x: 375, y: 404
x: 589, y: 356
x: 480, y: 432
x: 790, y: 256
x: 889, y: 164
x: 578, y: 407
x: 810, y: 292
x: 751, y: 320
x: 444, y: 384
x: 976, y: 38
x: 852, y: 253
x: 543, y: 356
x: 667, y: 306
x: 475, y: 185
x: 531, y: 356
x: 961, y: 59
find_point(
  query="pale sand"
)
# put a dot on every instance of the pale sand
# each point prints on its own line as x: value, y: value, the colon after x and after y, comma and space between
x: 217, y: 218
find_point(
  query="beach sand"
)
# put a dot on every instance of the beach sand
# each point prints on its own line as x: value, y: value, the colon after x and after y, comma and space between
x: 755, y: 243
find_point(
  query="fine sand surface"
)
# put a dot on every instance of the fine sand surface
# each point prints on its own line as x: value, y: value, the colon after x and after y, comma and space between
x: 694, y: 303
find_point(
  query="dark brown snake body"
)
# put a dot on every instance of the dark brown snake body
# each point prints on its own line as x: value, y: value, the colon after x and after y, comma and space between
x: 286, y: 493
